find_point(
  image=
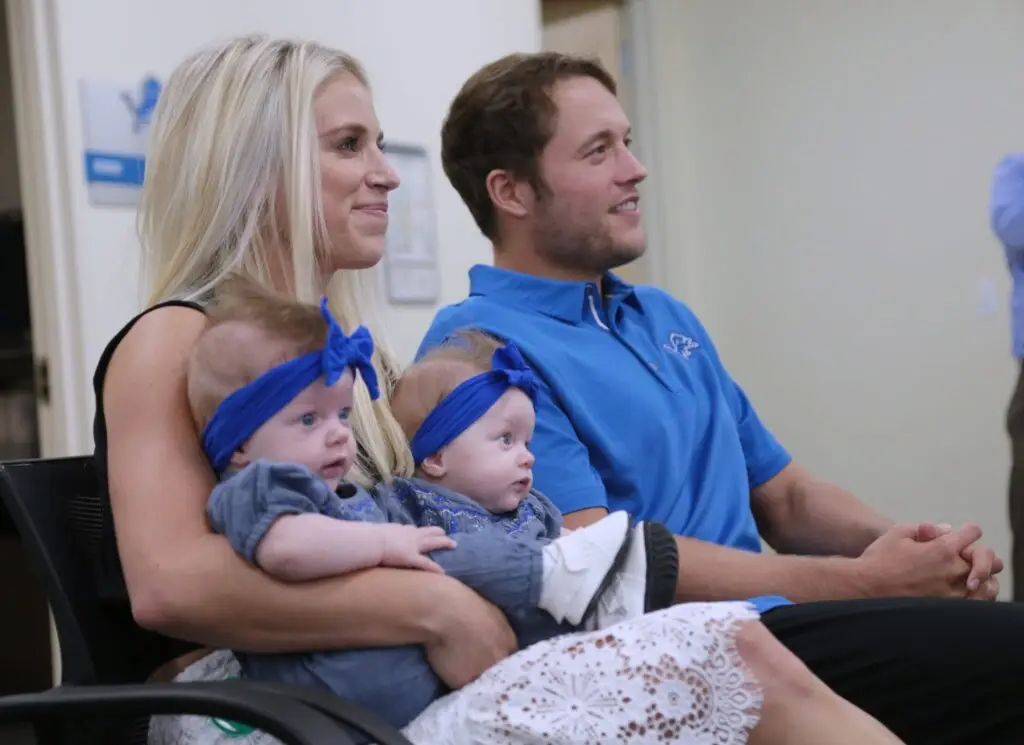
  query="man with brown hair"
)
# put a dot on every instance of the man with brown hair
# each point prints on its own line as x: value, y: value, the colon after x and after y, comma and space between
x: 636, y: 411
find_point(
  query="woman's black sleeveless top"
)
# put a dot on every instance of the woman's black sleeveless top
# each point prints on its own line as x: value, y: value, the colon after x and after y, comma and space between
x: 107, y: 571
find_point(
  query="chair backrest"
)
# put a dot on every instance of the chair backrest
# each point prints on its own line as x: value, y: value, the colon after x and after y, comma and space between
x: 55, y: 508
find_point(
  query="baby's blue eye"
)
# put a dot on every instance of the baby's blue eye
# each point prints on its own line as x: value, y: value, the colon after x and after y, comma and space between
x: 308, y: 419
x: 344, y: 414
x: 506, y: 439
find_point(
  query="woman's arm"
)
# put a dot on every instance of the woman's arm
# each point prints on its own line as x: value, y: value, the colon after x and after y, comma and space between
x: 290, y: 523
x: 186, y: 582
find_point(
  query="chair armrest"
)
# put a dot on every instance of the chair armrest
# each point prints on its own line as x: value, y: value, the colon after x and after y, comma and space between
x: 353, y: 715
x: 286, y: 718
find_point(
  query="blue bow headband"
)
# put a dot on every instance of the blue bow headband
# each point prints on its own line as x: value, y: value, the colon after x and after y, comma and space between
x: 471, y: 399
x: 249, y: 408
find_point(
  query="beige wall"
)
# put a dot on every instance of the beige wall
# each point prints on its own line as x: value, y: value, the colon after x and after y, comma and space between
x: 827, y: 169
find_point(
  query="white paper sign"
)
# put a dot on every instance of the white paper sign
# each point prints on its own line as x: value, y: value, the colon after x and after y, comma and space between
x: 115, y: 129
x: 411, y: 272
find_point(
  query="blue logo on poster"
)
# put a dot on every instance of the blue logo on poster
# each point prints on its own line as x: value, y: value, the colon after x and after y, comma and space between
x: 142, y: 110
x: 116, y: 128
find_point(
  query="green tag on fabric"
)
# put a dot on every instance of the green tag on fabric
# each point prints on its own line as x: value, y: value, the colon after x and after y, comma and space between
x: 229, y: 728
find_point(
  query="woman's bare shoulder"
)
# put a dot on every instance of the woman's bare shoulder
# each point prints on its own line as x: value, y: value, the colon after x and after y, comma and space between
x: 170, y: 331
x: 157, y: 475
x: 156, y: 348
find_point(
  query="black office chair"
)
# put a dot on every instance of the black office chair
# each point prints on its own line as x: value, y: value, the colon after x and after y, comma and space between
x: 106, y: 657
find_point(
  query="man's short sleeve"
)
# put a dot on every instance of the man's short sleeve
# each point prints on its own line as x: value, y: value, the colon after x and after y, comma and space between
x: 563, y: 471
x: 764, y: 455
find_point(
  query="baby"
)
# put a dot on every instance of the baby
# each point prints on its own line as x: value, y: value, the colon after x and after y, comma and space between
x: 271, y: 384
x: 467, y: 408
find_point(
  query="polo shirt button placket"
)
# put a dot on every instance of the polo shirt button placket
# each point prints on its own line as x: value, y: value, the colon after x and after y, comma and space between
x: 594, y: 311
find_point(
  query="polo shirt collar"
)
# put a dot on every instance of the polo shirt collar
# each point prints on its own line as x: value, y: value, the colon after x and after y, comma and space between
x: 566, y: 301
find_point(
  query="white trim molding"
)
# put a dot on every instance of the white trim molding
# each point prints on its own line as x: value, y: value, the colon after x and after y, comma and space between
x: 43, y: 158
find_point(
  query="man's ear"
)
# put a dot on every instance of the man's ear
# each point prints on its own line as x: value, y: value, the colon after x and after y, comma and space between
x: 434, y: 465
x: 509, y: 195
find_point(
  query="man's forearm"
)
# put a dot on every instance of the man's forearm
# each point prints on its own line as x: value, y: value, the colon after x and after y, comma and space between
x: 802, y: 515
x: 709, y: 572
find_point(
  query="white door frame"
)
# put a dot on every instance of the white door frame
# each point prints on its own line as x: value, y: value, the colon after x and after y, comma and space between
x: 45, y: 167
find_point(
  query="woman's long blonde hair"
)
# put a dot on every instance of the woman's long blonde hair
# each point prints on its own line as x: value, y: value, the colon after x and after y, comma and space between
x: 232, y: 147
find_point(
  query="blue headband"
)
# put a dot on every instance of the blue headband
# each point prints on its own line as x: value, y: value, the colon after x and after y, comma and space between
x: 249, y: 408
x: 471, y: 399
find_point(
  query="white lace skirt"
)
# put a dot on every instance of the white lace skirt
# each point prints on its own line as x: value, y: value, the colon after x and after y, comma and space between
x: 672, y: 676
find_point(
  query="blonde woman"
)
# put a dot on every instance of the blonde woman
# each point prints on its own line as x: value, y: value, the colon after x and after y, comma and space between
x: 267, y: 160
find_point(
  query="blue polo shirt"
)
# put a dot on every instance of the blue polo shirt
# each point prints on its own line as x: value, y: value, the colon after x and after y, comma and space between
x: 636, y: 411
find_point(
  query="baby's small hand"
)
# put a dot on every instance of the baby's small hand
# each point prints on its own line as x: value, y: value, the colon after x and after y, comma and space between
x: 407, y: 545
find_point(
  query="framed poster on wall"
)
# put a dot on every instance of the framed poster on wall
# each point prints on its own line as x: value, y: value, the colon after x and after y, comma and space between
x: 115, y: 132
x: 411, y: 273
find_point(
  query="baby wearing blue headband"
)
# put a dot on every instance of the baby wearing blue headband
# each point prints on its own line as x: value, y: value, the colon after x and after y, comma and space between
x: 272, y: 385
x: 468, y: 410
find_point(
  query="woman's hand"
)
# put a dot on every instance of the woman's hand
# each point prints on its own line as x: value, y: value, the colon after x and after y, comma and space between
x: 470, y: 635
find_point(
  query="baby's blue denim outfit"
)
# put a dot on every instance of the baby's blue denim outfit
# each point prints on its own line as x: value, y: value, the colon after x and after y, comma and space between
x: 499, y: 556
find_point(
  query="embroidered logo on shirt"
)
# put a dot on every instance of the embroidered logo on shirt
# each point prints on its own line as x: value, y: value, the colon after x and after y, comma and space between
x: 681, y: 344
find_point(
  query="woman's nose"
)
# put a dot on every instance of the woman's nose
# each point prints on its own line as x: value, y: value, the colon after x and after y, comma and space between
x: 383, y: 176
